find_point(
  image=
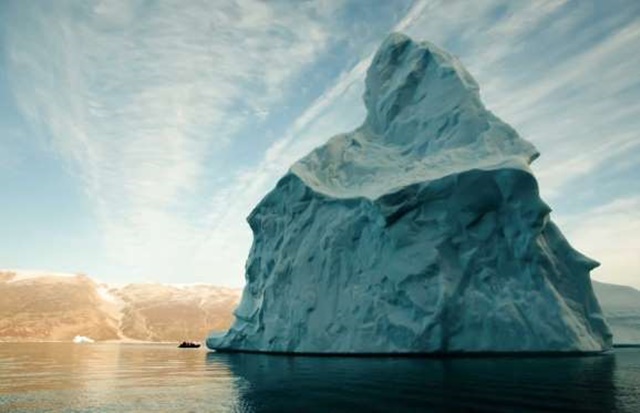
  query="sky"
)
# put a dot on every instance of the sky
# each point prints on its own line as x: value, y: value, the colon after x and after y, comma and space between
x: 136, y: 136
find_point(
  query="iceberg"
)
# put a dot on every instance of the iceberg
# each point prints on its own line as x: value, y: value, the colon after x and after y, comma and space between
x: 82, y: 340
x: 422, y: 231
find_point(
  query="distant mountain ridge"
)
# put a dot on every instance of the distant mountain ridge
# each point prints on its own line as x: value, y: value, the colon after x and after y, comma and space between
x: 621, y: 305
x: 43, y: 306
x: 54, y: 306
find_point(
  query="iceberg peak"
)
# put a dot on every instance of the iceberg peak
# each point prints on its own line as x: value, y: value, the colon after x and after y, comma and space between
x: 405, y: 73
x: 424, y: 121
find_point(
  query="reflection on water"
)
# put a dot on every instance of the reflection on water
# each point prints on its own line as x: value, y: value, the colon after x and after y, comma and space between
x: 276, y: 383
x: 115, y: 378
x: 111, y: 378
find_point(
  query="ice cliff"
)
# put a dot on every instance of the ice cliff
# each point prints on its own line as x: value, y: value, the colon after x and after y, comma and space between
x: 421, y: 231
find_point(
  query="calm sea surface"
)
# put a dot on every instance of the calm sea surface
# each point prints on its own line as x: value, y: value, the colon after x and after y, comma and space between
x: 151, y: 378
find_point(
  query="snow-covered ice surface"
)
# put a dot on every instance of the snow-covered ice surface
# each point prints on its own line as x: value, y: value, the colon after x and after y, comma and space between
x: 422, y: 231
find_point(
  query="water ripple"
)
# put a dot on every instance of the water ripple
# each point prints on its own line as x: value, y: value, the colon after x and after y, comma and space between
x: 113, y: 378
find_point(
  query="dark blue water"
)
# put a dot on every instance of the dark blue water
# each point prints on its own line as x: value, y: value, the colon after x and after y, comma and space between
x: 117, y: 378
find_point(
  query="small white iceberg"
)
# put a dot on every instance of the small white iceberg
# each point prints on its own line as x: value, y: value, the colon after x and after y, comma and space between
x: 82, y: 339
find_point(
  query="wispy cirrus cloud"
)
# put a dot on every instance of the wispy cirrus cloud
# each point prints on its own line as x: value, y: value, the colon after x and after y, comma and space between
x: 181, y: 116
x: 487, y: 35
x: 139, y: 97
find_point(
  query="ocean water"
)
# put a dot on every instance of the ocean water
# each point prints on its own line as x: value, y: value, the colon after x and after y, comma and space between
x: 153, y: 378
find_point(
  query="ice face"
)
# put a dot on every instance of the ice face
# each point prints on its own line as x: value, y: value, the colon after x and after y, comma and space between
x: 420, y: 231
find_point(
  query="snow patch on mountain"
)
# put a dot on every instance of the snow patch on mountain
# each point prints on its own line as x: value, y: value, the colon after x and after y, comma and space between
x: 24, y: 275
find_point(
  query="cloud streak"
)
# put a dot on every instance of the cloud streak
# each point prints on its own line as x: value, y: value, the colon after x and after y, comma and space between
x: 138, y: 97
x: 180, y: 116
